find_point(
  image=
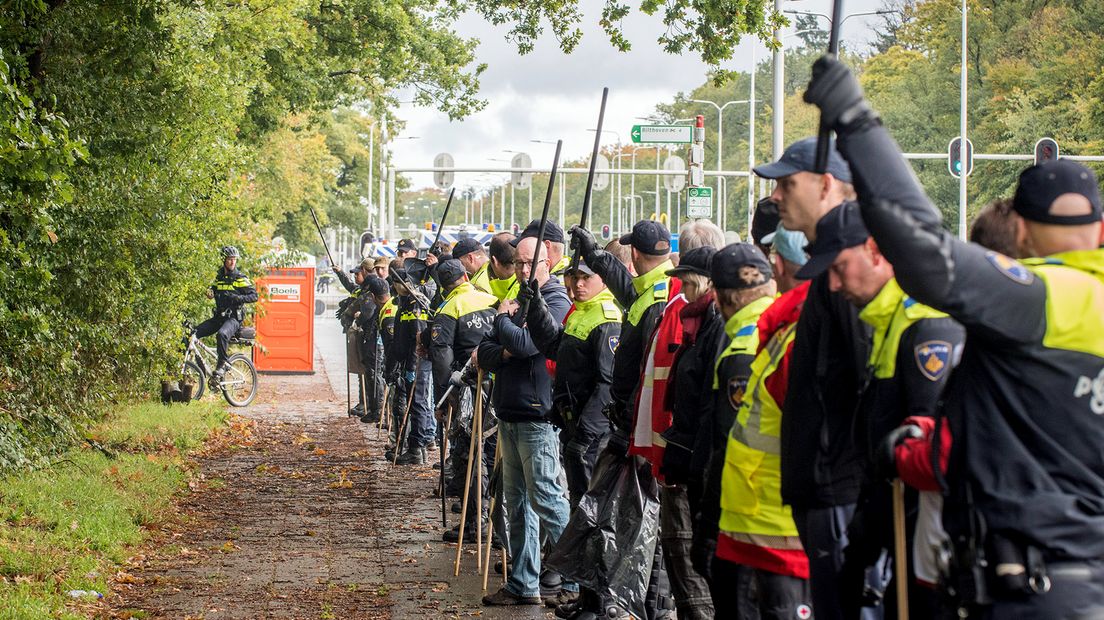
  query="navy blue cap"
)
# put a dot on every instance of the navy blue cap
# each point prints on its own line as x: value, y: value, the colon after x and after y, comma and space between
x: 765, y: 220
x: 1042, y: 184
x: 465, y: 246
x: 582, y: 267
x: 740, y: 266
x: 406, y: 245
x: 839, y: 229
x: 801, y: 157
x: 649, y: 237
x: 552, y: 232
x: 698, y: 261
x: 377, y: 285
x: 449, y: 271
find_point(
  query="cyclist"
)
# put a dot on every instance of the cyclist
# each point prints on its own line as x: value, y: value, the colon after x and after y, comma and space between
x: 231, y: 290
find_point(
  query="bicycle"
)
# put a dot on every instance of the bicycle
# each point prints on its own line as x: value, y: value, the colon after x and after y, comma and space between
x: 238, y: 385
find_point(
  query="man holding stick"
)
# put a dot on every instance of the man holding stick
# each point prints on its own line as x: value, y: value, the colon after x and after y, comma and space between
x: 522, y: 397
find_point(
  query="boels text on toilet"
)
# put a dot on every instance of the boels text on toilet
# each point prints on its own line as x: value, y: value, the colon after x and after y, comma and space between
x: 287, y: 293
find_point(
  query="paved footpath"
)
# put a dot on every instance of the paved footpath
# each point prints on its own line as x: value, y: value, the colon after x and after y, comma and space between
x: 304, y: 519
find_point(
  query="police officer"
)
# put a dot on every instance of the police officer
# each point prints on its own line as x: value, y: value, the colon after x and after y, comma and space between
x: 745, y: 288
x: 386, y: 316
x: 372, y: 353
x: 583, y: 349
x: 500, y: 275
x: 473, y: 257
x: 1025, y: 498
x: 914, y: 349
x: 415, y: 371
x: 460, y: 323
x: 231, y: 290
x: 406, y: 249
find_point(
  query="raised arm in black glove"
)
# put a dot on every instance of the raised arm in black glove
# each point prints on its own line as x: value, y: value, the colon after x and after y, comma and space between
x: 834, y: 89
x: 885, y: 458
x: 583, y: 241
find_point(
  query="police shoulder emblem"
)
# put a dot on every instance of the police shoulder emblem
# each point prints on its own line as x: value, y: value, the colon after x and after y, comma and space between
x: 436, y: 331
x: 613, y: 341
x: 1013, y: 269
x: 736, y: 388
x: 933, y: 358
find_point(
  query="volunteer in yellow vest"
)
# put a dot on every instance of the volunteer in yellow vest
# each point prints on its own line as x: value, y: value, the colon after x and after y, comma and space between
x: 759, y: 554
x: 499, y: 273
x: 473, y: 257
x: 583, y: 348
x: 913, y: 351
x: 1025, y: 483
x: 744, y: 287
x: 461, y: 321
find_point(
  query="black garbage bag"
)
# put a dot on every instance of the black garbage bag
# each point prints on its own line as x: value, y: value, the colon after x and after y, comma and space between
x: 610, y: 540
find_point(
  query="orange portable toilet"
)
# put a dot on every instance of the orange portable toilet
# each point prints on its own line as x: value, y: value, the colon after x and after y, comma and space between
x: 285, y: 320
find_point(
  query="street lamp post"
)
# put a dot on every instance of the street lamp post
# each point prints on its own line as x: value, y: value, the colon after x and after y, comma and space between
x: 720, y: 143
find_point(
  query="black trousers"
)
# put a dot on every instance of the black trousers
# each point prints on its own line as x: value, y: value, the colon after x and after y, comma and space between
x: 1076, y: 593
x: 224, y: 328
x: 754, y: 594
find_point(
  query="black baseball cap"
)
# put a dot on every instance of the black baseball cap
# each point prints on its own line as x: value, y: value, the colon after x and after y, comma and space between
x: 839, y: 229
x: 377, y: 285
x: 801, y: 157
x: 765, y: 220
x: 465, y: 246
x: 581, y: 267
x: 698, y: 261
x: 1042, y: 184
x: 406, y: 245
x: 552, y: 232
x: 649, y: 237
x: 449, y: 271
x: 739, y: 266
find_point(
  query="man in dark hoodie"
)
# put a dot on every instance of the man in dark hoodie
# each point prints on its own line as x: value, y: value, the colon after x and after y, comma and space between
x: 522, y: 397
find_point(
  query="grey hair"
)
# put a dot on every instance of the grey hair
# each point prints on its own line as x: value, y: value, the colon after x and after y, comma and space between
x: 700, y: 233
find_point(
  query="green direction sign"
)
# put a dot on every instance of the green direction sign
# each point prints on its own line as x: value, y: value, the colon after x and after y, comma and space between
x: 662, y: 134
x: 699, y: 202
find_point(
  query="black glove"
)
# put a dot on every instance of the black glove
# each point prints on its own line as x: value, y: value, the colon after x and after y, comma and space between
x: 676, y: 464
x: 527, y: 292
x: 885, y: 456
x: 834, y: 89
x: 583, y: 241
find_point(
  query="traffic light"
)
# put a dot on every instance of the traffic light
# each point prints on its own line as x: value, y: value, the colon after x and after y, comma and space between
x: 1046, y: 150
x: 605, y: 232
x: 957, y: 161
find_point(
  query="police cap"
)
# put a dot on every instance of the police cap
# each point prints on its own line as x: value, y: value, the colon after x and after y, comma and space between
x: 648, y: 237
x: 552, y: 232
x: 839, y: 229
x: 1042, y: 184
x: 465, y: 246
x: 698, y: 260
x: 739, y: 266
x: 449, y: 271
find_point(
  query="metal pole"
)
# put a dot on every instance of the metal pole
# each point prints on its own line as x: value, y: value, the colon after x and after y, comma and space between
x: 512, y: 219
x: 563, y: 200
x: 632, y: 191
x: 779, y: 98
x: 503, y: 197
x: 384, y: 222
x: 751, y: 143
x: 371, y: 152
x: 391, y: 202
x: 657, y: 184
x: 962, y: 133
x: 720, y: 162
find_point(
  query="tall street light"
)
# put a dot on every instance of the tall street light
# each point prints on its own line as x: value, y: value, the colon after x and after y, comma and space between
x: 723, y: 200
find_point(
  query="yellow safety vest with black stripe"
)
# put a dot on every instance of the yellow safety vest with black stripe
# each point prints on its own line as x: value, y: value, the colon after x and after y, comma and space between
x: 503, y: 288
x: 232, y: 291
x: 461, y: 321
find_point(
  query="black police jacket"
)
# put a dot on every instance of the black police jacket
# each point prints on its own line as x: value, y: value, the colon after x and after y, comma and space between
x: 232, y: 291
x: 459, y: 325
x: 410, y: 321
x: 821, y: 464
x: 583, y: 349
x: 634, y: 337
x: 1026, y: 404
x: 522, y: 387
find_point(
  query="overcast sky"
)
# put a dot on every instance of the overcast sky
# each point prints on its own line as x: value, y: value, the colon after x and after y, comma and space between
x: 547, y: 95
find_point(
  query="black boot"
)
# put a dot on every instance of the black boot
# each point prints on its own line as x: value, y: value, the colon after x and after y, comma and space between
x: 413, y: 456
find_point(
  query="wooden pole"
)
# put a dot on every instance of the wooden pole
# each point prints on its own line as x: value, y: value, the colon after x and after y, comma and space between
x: 467, y: 476
x: 900, y: 554
x: 406, y: 416
x: 490, y: 524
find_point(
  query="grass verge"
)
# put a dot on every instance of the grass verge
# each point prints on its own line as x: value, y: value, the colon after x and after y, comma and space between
x: 71, y: 525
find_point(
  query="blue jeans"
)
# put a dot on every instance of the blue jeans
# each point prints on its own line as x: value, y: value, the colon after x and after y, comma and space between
x: 423, y: 426
x: 534, y: 499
